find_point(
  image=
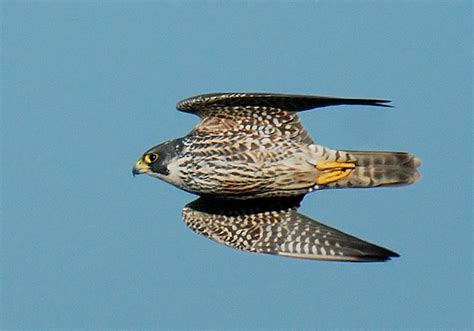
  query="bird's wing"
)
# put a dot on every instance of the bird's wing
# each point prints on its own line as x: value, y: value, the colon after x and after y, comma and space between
x: 288, y: 102
x: 265, y: 114
x: 273, y: 226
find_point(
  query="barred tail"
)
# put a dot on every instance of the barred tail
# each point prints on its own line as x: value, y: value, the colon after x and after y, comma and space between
x: 380, y: 169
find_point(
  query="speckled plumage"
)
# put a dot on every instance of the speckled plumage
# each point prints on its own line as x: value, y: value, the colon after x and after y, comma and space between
x: 249, y: 151
x: 273, y: 226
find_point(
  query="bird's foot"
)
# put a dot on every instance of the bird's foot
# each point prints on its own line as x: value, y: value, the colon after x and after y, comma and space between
x: 333, y: 171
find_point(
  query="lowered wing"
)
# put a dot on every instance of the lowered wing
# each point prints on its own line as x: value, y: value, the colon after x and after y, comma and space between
x: 274, y: 226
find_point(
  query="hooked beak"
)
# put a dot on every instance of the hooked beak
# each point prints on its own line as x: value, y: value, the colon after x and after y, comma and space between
x: 140, y: 168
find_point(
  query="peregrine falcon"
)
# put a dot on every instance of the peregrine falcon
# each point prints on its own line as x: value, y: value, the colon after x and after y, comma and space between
x: 251, y: 162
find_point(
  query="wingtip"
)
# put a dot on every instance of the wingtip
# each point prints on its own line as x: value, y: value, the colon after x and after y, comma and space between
x: 378, y: 258
x: 395, y: 254
x: 391, y: 257
x: 365, y: 102
x: 383, y: 103
x: 382, y: 255
x: 388, y: 256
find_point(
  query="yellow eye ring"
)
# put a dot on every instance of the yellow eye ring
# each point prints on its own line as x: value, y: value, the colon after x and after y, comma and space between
x: 150, y: 158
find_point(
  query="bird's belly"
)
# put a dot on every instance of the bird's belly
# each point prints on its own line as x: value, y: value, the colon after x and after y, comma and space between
x: 244, y: 177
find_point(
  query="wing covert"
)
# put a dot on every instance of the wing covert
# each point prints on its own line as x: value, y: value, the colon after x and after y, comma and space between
x: 260, y: 114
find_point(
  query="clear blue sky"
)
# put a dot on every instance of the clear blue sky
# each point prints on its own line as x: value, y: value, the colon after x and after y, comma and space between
x: 87, y: 87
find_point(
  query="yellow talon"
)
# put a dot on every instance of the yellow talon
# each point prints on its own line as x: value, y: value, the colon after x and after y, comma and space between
x: 332, y: 176
x: 333, y: 171
x: 334, y: 165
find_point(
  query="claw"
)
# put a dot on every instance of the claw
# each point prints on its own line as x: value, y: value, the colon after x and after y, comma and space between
x: 333, y: 171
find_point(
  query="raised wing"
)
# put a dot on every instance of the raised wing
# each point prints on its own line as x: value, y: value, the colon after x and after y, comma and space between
x: 260, y: 114
x: 273, y: 226
x: 288, y: 102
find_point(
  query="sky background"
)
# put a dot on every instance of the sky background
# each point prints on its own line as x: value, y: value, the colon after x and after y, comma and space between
x: 87, y: 87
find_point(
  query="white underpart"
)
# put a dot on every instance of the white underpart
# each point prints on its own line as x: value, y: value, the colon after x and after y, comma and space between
x: 321, y: 153
x: 174, y: 173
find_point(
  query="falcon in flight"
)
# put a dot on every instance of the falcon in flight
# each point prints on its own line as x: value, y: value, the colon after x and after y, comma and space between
x: 251, y: 162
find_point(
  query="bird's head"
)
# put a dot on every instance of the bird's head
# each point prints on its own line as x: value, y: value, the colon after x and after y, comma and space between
x: 155, y: 161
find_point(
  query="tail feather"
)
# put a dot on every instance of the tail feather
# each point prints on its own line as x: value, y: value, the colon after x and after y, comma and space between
x: 365, y: 159
x: 380, y: 169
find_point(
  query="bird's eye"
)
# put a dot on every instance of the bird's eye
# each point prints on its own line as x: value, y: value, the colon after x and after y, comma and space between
x: 150, y: 158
